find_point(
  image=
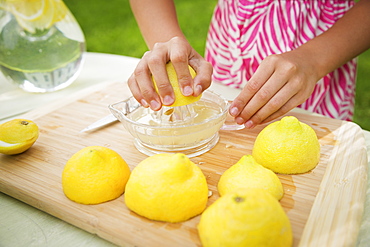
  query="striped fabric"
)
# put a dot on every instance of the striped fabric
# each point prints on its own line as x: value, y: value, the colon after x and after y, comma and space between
x: 243, y: 32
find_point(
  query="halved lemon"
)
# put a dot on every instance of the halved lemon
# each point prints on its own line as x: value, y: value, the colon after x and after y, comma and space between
x: 180, y: 99
x: 17, y: 135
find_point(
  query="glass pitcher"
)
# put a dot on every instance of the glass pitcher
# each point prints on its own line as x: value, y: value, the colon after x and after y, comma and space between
x: 41, y: 44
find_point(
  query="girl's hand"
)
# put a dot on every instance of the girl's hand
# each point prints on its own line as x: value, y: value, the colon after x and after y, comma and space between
x: 280, y: 83
x: 285, y: 81
x: 179, y: 51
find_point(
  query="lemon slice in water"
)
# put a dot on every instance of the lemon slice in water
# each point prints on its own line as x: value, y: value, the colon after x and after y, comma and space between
x: 35, y: 15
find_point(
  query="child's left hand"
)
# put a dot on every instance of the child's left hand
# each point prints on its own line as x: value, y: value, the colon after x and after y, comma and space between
x: 280, y: 83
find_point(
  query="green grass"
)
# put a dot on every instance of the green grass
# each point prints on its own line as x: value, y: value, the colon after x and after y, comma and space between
x: 110, y: 27
x: 362, y: 103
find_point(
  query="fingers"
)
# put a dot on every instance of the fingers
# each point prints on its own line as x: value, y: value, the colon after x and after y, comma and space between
x: 278, y: 85
x: 288, y: 106
x: 269, y: 98
x: 282, y: 102
x: 259, y: 90
x: 144, y: 92
x: 153, y: 63
x: 182, y: 55
x: 156, y: 61
x: 202, y: 80
x: 180, y: 61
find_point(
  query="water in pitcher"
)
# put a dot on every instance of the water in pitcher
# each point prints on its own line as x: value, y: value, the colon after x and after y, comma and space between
x: 44, y: 60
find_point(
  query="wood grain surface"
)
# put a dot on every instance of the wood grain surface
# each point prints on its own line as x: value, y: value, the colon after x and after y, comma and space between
x: 324, y: 206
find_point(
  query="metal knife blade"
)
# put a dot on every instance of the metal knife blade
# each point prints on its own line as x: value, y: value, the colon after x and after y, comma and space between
x: 100, y: 123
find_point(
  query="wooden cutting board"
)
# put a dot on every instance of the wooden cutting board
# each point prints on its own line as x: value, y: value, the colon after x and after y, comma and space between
x: 324, y: 206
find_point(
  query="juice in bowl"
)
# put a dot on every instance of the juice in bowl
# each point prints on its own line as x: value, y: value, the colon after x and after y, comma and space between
x: 190, y: 129
x: 41, y: 44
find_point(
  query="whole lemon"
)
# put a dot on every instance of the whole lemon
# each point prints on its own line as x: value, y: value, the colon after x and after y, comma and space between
x: 180, y: 99
x: 287, y: 146
x: 94, y: 175
x: 247, y: 173
x: 167, y: 187
x: 17, y: 135
x: 245, y: 217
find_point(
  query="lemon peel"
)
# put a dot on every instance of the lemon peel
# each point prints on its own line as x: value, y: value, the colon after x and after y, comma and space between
x: 167, y: 187
x: 94, y: 175
x: 17, y: 136
x: 245, y: 217
x: 287, y: 146
x: 180, y: 99
x: 247, y: 173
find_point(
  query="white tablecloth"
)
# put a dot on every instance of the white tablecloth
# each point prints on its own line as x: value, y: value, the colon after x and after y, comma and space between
x: 23, y: 225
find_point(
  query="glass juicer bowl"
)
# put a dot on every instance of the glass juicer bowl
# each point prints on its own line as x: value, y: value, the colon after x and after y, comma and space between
x: 191, y: 129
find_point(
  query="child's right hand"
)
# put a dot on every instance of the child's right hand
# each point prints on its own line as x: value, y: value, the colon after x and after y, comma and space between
x: 179, y: 51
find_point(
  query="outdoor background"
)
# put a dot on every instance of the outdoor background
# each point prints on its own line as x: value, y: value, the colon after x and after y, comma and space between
x: 109, y: 27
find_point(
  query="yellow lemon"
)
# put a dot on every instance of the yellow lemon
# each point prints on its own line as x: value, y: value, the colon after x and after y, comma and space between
x: 17, y: 135
x: 287, y: 146
x: 94, y: 175
x: 247, y: 173
x: 36, y: 14
x: 167, y: 187
x: 245, y: 217
x: 180, y: 99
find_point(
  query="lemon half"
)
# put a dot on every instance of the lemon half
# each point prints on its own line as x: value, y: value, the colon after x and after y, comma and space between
x: 247, y: 173
x: 17, y: 135
x: 180, y: 99
x: 94, y: 175
x: 245, y: 217
x: 167, y: 187
x: 287, y: 146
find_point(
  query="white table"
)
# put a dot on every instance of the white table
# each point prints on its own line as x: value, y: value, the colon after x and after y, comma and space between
x: 23, y: 225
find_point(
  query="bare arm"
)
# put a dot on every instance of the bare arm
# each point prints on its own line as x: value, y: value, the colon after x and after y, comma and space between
x: 348, y: 38
x: 158, y: 23
x: 157, y: 20
x: 284, y: 81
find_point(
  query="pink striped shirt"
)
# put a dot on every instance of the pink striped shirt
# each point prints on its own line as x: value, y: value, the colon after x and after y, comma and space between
x: 243, y: 32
